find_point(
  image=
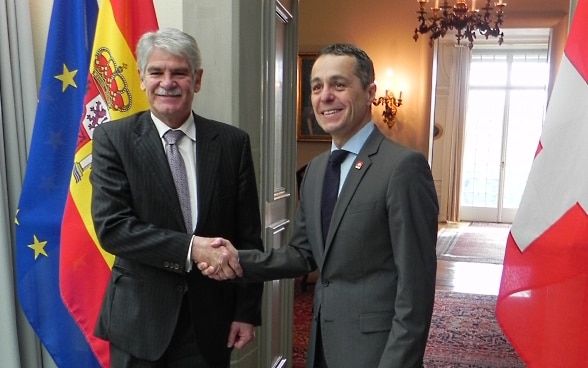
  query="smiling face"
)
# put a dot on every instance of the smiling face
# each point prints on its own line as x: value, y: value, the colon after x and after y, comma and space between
x: 342, y: 106
x: 170, y: 85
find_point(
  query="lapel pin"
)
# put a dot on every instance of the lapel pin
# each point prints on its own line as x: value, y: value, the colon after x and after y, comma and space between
x: 358, y: 165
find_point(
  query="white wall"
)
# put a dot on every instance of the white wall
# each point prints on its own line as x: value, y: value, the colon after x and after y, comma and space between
x: 214, y: 24
x: 169, y: 14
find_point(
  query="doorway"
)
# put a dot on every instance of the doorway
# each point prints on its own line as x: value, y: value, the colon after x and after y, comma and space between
x: 506, y: 100
x: 253, y: 63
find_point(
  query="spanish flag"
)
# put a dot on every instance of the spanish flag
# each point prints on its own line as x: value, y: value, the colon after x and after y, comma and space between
x: 46, y: 183
x: 542, y: 305
x: 113, y: 92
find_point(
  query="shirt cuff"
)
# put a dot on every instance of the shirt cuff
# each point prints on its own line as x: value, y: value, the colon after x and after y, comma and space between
x: 188, y: 258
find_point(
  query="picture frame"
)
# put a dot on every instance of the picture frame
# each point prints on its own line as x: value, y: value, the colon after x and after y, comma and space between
x: 307, y: 128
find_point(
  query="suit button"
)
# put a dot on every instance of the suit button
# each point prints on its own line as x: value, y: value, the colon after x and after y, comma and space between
x: 176, y: 266
x: 325, y: 283
x: 180, y: 288
x: 166, y: 264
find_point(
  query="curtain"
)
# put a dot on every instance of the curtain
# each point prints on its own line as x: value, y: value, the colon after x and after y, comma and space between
x: 20, y: 347
x: 458, y: 60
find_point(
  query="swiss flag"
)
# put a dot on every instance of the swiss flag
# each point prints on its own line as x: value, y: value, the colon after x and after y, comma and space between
x: 542, y: 305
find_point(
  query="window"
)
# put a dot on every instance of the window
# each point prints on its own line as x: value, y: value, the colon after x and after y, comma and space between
x: 504, y: 116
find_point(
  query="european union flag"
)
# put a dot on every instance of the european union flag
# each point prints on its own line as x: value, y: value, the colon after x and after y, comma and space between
x: 47, y: 179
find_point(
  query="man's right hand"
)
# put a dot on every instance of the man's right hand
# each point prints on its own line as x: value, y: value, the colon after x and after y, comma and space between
x: 219, y: 255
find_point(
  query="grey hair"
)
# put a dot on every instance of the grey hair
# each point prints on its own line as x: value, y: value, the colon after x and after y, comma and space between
x: 171, y: 40
x: 364, y: 67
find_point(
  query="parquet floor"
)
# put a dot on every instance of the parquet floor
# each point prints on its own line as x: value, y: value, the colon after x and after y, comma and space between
x: 468, y: 277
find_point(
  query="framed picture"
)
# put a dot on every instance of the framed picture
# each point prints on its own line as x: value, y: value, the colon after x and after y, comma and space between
x: 308, y: 128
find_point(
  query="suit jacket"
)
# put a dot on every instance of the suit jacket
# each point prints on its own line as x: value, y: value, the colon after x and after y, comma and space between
x: 137, y: 217
x: 378, y: 265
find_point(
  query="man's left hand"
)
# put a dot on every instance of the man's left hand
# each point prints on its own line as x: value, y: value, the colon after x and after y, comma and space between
x: 241, y: 334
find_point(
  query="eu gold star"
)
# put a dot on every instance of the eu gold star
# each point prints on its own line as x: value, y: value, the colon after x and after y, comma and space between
x: 38, y: 247
x: 67, y: 78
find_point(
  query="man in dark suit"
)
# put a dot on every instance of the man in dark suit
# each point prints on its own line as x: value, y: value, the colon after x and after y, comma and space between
x: 156, y: 313
x: 373, y: 300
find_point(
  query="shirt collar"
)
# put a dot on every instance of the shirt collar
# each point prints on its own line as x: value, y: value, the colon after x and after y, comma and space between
x: 189, y: 128
x: 355, y: 143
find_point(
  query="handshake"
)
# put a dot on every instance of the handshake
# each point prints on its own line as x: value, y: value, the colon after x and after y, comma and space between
x: 216, y: 258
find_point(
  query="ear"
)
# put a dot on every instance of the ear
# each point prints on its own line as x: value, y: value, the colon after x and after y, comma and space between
x: 371, y: 93
x: 198, y: 80
x: 142, y: 81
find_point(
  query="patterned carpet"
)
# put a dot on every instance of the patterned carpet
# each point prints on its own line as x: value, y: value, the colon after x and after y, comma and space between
x: 464, y: 332
x: 301, y: 322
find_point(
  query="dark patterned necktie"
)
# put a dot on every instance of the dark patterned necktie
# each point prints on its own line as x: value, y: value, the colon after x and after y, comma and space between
x: 331, y: 188
x: 178, y: 169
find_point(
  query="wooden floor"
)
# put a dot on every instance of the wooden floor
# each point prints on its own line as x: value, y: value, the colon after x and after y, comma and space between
x: 468, y: 277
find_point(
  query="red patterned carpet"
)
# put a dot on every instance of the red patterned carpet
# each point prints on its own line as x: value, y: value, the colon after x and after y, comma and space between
x: 464, y: 332
x: 301, y: 322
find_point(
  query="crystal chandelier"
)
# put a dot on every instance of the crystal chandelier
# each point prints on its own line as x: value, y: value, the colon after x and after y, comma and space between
x: 464, y: 20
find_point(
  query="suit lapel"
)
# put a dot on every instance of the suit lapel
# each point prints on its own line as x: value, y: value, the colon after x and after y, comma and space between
x: 148, y: 145
x: 358, y: 169
x: 208, y: 161
x: 321, y: 162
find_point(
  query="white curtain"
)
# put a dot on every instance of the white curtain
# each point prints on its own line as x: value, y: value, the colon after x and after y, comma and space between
x: 19, y: 346
x: 458, y: 98
x: 457, y: 65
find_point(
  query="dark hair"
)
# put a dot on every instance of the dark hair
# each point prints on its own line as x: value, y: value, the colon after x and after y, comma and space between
x: 364, y: 68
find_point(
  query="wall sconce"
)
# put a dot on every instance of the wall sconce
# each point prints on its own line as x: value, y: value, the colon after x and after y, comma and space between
x: 391, y: 105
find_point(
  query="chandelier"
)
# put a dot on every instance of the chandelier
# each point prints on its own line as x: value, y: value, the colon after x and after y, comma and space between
x: 466, y: 21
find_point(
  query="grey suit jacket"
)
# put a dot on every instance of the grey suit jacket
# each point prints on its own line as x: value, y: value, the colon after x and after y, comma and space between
x: 377, y: 268
x: 137, y: 217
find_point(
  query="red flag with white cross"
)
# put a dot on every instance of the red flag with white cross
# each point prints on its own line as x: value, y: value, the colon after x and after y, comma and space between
x: 542, y: 305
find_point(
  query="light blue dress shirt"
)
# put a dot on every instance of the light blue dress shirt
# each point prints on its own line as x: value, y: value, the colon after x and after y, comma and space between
x: 353, y: 145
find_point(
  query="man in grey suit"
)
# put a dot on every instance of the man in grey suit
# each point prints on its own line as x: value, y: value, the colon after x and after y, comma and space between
x: 373, y: 301
x: 156, y: 313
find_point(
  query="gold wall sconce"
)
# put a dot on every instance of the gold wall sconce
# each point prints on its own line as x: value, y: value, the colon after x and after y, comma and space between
x: 391, y: 105
x: 390, y: 102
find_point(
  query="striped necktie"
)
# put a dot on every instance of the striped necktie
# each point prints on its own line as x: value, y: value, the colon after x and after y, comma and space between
x: 178, y: 169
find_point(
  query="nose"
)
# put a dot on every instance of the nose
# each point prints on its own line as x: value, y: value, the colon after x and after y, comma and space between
x: 326, y: 94
x: 166, y: 80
